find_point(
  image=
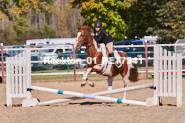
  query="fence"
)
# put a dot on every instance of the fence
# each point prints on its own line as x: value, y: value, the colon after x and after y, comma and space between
x: 48, y: 66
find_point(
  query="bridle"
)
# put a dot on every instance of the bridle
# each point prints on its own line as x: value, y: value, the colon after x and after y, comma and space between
x: 87, y: 45
x: 84, y: 41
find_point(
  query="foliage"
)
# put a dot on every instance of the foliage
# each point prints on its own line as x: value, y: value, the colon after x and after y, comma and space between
x: 156, y: 17
x: 12, y: 8
x: 20, y: 26
x: 46, y: 32
x: 63, y: 22
x: 107, y: 11
x: 171, y: 22
x: 8, y: 36
x: 140, y: 16
x: 31, y: 34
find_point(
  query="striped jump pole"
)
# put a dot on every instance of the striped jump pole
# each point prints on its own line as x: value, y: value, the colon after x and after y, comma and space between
x: 89, y: 96
x: 132, y: 88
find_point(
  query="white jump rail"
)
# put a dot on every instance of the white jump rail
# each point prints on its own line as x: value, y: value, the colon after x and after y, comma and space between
x: 81, y: 95
x: 133, y: 88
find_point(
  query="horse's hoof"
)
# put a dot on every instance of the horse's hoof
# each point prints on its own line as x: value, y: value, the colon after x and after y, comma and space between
x: 83, y: 84
x: 92, y: 85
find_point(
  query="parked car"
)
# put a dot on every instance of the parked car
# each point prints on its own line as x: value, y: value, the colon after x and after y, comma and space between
x: 82, y: 54
x: 131, y: 51
x: 52, y: 52
x: 13, y: 52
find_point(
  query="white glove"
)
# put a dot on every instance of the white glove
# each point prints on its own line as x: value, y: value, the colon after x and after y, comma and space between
x: 92, y: 34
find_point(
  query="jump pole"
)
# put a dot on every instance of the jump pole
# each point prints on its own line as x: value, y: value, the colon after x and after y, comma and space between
x: 97, y: 94
x: 89, y: 96
x: 132, y: 88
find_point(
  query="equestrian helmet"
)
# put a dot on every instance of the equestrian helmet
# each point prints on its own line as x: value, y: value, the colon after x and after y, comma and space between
x: 98, y: 24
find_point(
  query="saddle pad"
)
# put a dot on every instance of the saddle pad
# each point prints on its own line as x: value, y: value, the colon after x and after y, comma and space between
x: 116, y: 54
x: 103, y: 49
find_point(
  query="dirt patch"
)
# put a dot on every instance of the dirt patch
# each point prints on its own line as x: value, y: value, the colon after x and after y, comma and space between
x: 87, y: 110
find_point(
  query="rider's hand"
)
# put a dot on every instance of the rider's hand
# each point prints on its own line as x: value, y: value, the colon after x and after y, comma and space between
x: 92, y: 34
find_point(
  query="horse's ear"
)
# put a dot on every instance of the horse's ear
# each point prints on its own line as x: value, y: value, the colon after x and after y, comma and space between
x: 79, y: 27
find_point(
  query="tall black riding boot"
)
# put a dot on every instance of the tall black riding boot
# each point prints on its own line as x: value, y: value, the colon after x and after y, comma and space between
x: 113, y: 60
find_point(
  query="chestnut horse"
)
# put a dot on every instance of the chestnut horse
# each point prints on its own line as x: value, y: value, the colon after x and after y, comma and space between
x: 127, y: 71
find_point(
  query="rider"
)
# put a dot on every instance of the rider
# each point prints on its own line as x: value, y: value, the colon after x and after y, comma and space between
x: 101, y: 37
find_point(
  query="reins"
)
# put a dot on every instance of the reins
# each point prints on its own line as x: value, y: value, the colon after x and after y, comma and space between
x: 87, y: 45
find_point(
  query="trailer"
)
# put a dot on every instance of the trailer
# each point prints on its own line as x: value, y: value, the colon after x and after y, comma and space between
x: 36, y: 42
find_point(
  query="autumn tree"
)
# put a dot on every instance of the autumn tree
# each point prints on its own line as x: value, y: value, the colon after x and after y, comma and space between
x: 11, y: 8
x: 107, y: 11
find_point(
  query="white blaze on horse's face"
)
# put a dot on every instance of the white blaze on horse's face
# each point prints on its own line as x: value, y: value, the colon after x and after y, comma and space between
x: 78, y: 35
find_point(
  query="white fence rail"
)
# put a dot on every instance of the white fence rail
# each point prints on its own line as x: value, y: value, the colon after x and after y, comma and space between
x: 15, y: 50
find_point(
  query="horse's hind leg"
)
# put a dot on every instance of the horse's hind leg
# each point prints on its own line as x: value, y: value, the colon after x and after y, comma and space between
x: 85, y: 77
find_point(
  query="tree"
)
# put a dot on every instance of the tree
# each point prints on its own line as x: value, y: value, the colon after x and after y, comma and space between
x: 140, y: 16
x: 46, y: 32
x: 171, y: 21
x: 156, y: 17
x: 8, y: 36
x: 107, y: 11
x: 20, y: 25
x: 11, y: 8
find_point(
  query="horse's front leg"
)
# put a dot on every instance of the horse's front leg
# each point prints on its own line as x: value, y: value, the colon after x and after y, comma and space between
x: 85, y: 78
x: 109, y: 81
x: 125, y: 81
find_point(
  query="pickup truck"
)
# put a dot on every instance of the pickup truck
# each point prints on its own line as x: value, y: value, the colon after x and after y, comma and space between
x: 135, y: 51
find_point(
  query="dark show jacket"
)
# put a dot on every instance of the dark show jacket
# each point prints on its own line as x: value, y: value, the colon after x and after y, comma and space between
x: 102, y: 37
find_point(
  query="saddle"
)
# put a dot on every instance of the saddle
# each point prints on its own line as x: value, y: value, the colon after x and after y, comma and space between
x: 106, y: 53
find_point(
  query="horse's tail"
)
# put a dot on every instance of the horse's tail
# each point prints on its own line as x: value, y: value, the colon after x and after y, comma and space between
x: 133, y: 77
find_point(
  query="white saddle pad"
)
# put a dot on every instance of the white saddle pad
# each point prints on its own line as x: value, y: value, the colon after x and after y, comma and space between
x: 103, y: 49
x: 107, y: 66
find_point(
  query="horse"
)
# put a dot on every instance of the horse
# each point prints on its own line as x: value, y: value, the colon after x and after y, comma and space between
x: 127, y: 71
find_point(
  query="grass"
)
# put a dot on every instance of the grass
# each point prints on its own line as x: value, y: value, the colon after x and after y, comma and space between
x: 58, y: 69
x: 54, y: 70
x: 46, y: 77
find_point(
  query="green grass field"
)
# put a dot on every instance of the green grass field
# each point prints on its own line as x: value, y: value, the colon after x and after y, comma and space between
x: 46, y: 77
